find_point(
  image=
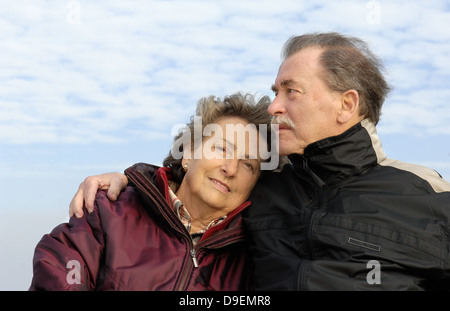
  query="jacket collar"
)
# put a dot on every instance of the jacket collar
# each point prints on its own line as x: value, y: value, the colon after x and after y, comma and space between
x: 163, y: 176
x: 339, y: 157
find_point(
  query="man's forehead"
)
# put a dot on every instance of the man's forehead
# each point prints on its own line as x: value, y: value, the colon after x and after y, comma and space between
x: 297, y: 68
x: 306, y: 58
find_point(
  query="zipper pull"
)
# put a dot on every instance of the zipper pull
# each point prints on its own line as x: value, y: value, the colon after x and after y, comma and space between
x: 194, y: 259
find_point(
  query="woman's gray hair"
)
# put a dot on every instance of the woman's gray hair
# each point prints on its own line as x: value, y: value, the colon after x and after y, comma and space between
x: 348, y: 65
x: 211, y: 109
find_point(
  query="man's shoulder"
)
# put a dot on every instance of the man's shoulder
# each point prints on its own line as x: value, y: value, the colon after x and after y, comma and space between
x: 428, y: 175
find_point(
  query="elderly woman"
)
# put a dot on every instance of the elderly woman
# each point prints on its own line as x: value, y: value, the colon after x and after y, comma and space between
x: 176, y: 227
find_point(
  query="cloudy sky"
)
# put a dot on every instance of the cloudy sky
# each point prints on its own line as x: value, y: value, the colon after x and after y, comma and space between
x: 87, y: 88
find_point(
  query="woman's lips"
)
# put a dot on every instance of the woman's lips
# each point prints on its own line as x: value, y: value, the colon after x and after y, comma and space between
x: 220, y: 185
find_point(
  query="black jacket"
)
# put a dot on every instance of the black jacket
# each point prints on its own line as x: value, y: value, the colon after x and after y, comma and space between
x: 345, y: 217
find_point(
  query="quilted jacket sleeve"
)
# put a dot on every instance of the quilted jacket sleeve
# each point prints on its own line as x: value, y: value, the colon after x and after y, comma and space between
x: 69, y: 257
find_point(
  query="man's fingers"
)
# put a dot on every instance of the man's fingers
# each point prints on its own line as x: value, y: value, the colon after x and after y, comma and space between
x: 118, y: 183
x: 76, y: 205
x: 91, y: 186
x: 87, y: 191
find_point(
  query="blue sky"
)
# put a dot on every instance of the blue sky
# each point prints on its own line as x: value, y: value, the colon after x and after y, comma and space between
x: 87, y: 88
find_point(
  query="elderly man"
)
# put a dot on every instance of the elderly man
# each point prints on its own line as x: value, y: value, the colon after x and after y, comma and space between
x: 341, y: 215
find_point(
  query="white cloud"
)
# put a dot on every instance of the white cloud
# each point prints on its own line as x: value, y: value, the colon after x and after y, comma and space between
x: 424, y: 112
x: 152, y: 60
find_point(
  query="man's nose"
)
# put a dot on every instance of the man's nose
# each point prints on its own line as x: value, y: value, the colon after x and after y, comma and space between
x: 276, y: 107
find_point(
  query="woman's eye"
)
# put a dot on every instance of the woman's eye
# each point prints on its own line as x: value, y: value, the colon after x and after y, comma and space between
x: 223, y: 151
x: 248, y: 165
x: 220, y: 148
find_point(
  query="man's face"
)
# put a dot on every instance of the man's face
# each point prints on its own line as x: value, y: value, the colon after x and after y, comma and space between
x: 302, y: 96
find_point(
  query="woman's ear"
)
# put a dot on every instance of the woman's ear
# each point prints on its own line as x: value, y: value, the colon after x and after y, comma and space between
x: 185, y: 164
x: 349, y: 106
x: 187, y: 153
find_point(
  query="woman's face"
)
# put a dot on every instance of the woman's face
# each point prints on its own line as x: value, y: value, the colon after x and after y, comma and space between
x: 228, y: 169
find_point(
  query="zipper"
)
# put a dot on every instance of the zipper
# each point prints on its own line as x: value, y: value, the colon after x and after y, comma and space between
x: 194, y: 258
x: 153, y: 193
x: 186, y: 272
x: 318, y: 202
x: 208, y: 243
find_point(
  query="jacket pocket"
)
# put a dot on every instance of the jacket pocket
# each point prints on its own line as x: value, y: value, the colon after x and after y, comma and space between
x: 375, y: 255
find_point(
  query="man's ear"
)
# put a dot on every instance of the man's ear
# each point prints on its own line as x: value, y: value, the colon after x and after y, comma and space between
x: 349, y: 108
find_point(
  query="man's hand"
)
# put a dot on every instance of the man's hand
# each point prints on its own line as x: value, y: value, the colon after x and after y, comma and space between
x: 113, y: 182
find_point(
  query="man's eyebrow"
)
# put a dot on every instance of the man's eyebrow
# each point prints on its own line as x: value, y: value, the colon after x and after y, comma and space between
x: 286, y: 83
x: 289, y: 82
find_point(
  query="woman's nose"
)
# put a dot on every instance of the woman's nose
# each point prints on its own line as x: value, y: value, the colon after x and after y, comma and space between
x: 229, y: 167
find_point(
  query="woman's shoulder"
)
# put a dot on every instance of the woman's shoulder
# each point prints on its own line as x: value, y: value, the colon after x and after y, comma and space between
x: 128, y: 204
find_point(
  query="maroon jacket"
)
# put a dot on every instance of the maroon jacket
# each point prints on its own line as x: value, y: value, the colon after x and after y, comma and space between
x: 138, y: 243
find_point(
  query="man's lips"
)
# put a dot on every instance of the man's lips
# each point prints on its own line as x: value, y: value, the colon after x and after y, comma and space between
x: 220, y: 185
x: 283, y: 127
